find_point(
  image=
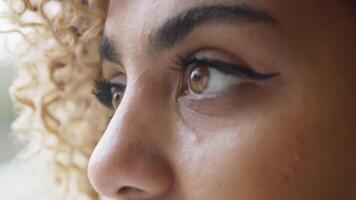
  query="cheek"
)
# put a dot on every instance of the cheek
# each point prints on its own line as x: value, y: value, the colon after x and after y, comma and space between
x: 278, y: 154
x: 236, y: 162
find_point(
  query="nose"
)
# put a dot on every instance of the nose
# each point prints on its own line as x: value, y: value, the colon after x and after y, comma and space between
x: 129, y: 161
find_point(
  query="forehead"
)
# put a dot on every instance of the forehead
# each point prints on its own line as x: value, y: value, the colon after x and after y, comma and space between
x: 128, y: 15
x: 129, y: 22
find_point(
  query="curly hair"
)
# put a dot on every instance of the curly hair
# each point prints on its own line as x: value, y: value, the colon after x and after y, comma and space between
x: 57, y: 62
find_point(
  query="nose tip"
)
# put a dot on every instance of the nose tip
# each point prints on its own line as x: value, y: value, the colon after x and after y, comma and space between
x: 147, y: 178
x: 131, y: 160
x: 125, y: 167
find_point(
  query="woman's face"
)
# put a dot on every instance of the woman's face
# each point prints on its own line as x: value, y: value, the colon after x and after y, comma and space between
x: 228, y: 100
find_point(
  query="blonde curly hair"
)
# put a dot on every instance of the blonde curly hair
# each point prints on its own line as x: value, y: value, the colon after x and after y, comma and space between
x: 57, y: 62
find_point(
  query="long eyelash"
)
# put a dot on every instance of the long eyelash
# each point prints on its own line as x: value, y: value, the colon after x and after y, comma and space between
x: 102, y: 91
x: 226, y: 68
x: 182, y: 63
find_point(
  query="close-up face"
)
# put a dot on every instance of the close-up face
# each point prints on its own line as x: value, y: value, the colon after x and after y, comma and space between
x: 228, y: 100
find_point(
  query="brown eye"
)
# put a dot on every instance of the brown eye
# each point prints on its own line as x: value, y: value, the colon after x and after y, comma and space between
x: 117, y: 96
x: 198, y: 79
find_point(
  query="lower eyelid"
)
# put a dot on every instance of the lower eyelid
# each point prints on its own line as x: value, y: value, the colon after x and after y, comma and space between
x: 226, y: 102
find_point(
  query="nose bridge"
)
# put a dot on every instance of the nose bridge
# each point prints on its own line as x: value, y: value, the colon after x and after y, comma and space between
x: 131, y: 153
x: 142, y: 116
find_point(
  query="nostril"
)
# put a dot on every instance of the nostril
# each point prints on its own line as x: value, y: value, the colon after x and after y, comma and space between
x: 131, y: 192
x: 128, y: 189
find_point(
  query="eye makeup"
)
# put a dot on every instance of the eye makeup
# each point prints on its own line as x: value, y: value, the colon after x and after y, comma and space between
x: 184, y: 63
x: 107, y: 91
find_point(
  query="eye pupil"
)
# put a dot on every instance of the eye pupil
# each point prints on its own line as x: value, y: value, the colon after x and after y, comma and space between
x: 199, y: 78
x: 196, y: 75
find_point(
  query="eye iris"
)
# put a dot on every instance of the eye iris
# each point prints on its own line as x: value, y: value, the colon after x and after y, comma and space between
x: 116, y: 98
x: 199, y: 78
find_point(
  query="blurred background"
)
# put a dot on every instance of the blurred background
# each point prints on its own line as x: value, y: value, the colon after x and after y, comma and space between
x: 13, y: 177
x: 8, y: 147
x: 18, y: 181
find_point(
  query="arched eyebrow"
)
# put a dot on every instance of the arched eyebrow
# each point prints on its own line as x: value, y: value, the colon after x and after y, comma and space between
x: 107, y: 51
x: 179, y: 27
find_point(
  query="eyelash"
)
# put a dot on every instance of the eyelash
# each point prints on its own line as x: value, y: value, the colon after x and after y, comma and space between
x: 184, y: 64
x: 102, y: 91
x: 103, y: 88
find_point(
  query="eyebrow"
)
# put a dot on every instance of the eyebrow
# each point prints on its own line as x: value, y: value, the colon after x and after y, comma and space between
x: 179, y: 27
x: 108, y: 51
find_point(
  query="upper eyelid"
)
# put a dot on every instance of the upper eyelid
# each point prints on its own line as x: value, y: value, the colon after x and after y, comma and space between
x: 220, y: 65
x: 111, y: 70
x: 224, y: 67
x: 185, y: 62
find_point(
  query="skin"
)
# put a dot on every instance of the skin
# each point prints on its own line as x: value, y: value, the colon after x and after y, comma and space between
x: 287, y: 138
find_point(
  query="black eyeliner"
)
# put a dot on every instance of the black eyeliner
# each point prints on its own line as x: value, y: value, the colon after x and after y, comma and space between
x: 226, y: 68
